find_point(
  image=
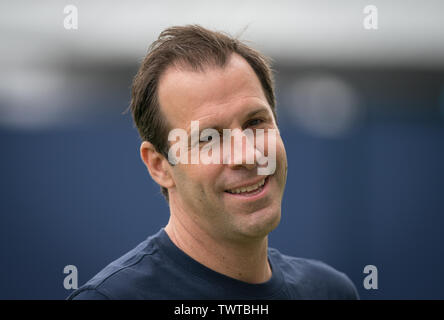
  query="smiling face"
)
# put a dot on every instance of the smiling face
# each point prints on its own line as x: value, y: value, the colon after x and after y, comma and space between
x: 208, y: 197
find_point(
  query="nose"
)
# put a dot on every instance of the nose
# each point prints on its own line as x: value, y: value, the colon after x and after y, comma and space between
x: 243, y: 153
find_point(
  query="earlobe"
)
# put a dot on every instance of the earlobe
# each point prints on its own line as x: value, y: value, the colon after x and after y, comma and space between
x: 156, y: 165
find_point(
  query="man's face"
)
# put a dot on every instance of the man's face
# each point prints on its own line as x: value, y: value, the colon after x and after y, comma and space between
x: 223, y: 98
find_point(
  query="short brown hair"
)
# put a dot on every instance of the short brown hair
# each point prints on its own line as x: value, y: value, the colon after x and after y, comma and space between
x: 195, y: 47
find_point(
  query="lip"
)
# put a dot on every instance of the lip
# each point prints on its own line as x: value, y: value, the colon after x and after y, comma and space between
x: 255, y: 196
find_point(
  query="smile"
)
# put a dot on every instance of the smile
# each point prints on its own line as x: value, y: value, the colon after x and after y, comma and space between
x: 249, y: 190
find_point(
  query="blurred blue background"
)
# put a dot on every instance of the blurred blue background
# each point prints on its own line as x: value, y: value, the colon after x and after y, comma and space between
x: 361, y: 114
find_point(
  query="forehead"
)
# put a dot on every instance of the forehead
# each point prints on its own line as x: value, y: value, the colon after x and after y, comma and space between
x: 187, y: 95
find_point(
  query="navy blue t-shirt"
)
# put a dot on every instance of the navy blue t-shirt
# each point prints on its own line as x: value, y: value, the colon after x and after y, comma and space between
x: 158, y: 269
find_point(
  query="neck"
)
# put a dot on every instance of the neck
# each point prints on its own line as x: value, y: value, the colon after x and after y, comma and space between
x: 246, y: 261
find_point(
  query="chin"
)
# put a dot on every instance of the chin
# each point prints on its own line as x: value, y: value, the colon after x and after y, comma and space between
x: 262, y: 224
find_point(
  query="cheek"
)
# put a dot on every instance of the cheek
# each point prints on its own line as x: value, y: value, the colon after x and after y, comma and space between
x: 203, y: 177
x: 282, y: 152
x: 189, y: 186
x: 281, y: 158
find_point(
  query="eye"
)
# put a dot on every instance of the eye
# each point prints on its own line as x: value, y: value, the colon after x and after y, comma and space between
x: 206, y: 138
x: 255, y: 122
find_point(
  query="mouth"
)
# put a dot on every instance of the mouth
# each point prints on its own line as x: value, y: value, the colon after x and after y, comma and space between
x: 251, y: 191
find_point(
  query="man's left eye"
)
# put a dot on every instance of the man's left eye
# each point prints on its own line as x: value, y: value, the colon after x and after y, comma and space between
x: 255, y: 122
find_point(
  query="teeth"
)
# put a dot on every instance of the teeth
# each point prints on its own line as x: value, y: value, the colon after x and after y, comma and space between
x: 248, y: 188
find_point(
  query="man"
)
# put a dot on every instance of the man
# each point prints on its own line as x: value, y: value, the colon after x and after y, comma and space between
x: 215, y: 245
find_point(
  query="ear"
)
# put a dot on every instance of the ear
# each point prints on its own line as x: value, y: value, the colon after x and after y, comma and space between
x: 157, y: 165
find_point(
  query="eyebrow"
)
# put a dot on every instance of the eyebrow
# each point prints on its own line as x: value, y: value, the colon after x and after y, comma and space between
x: 257, y: 111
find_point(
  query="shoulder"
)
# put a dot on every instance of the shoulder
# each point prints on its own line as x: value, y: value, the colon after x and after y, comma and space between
x: 120, y: 278
x: 313, y: 279
x: 89, y: 294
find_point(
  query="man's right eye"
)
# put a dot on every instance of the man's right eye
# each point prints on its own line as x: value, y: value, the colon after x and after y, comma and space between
x: 206, y: 139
